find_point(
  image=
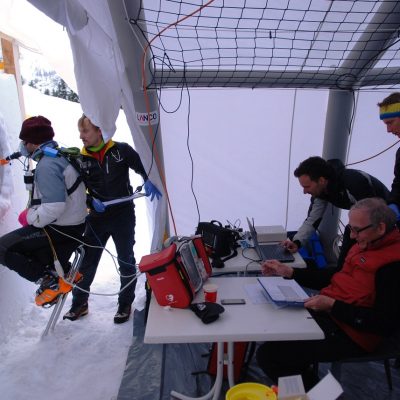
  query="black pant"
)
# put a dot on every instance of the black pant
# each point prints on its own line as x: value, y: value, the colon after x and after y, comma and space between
x: 297, y: 357
x: 119, y: 223
x: 27, y: 250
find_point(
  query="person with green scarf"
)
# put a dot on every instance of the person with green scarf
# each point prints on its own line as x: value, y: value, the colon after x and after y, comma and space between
x: 105, y: 170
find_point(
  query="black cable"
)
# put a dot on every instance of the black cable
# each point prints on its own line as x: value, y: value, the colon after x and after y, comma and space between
x: 189, y: 152
x: 376, y: 155
x: 234, y: 226
x: 350, y: 135
x: 161, y: 106
x: 25, y: 164
x: 159, y: 96
x: 248, y: 258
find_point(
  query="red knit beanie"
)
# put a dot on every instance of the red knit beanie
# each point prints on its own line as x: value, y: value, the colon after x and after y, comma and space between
x: 36, y: 130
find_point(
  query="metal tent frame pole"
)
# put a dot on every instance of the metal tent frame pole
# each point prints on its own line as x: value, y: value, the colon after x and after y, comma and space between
x: 337, y: 130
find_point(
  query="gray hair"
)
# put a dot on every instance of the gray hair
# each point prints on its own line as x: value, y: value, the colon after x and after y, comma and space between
x: 378, y: 211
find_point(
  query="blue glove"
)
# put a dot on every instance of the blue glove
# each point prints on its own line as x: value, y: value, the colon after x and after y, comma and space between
x: 151, y: 190
x: 396, y: 210
x: 98, y: 205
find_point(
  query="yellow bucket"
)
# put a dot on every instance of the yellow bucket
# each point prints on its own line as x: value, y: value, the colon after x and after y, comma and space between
x: 250, y: 391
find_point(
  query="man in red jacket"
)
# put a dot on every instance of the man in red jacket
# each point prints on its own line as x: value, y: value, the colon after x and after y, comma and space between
x: 356, y: 307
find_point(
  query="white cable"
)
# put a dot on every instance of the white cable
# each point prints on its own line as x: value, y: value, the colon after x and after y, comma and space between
x: 75, y: 285
x: 97, y: 247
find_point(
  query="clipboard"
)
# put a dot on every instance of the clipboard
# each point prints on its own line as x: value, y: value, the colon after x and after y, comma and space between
x: 283, y: 292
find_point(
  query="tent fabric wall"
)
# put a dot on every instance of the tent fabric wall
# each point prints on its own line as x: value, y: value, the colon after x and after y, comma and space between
x: 244, y: 151
x: 245, y: 145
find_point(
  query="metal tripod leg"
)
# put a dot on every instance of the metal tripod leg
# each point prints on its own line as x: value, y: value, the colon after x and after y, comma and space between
x: 76, y: 264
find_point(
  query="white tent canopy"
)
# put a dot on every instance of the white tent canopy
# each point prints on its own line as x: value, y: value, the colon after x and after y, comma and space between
x: 227, y: 155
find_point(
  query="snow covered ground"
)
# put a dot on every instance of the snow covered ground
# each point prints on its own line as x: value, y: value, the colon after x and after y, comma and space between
x: 84, y: 359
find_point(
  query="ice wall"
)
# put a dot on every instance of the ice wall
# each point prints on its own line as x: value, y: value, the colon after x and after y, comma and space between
x: 15, y: 292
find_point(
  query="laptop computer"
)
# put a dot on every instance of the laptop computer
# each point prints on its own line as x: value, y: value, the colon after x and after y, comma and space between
x: 270, y: 251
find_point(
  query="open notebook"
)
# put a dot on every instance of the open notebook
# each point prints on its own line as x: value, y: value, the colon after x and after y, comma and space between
x: 283, y: 291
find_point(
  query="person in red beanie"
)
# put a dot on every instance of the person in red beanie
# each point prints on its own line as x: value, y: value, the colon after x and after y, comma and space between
x: 54, y: 221
x: 36, y: 130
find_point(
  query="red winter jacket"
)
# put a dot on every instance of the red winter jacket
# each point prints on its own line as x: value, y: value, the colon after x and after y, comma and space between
x: 355, y: 283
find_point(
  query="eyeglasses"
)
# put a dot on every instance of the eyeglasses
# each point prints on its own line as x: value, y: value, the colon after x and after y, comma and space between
x: 356, y: 230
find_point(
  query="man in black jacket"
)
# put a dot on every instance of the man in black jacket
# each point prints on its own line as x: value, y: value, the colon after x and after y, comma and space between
x: 356, y: 307
x: 105, y: 171
x: 389, y: 113
x: 330, y: 182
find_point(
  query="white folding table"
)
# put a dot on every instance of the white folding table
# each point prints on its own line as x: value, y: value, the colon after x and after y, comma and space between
x: 239, y: 323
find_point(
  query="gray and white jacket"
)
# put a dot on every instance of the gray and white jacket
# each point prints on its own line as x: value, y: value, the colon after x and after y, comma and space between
x: 50, y: 202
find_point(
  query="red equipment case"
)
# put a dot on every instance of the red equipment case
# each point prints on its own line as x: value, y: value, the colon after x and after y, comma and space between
x: 176, y: 273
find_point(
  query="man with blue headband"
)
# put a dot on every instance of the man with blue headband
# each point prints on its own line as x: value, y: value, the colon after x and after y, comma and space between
x: 389, y: 113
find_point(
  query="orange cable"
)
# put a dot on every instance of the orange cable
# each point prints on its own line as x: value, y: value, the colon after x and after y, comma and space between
x: 147, y: 102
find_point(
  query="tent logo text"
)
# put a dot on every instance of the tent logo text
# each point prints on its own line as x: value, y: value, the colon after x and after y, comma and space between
x: 143, y: 118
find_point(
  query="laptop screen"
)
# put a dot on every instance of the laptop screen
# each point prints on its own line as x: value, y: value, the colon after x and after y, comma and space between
x: 270, y: 251
x: 253, y: 231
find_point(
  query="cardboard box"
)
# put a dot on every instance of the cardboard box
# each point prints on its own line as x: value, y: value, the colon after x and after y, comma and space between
x: 292, y: 388
x: 272, y: 233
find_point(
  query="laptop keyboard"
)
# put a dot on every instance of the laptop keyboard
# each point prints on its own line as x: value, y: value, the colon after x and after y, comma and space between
x: 275, y: 252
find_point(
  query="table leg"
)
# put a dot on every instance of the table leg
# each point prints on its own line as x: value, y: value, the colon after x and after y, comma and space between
x: 215, y: 391
x: 230, y: 366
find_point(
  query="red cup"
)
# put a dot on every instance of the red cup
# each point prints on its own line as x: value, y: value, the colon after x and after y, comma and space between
x: 210, y: 292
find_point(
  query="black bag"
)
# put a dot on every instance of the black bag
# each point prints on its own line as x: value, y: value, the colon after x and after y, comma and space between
x: 206, y: 311
x: 219, y: 240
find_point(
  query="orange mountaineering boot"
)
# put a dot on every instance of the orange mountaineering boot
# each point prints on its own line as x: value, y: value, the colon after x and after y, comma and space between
x: 51, y: 287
